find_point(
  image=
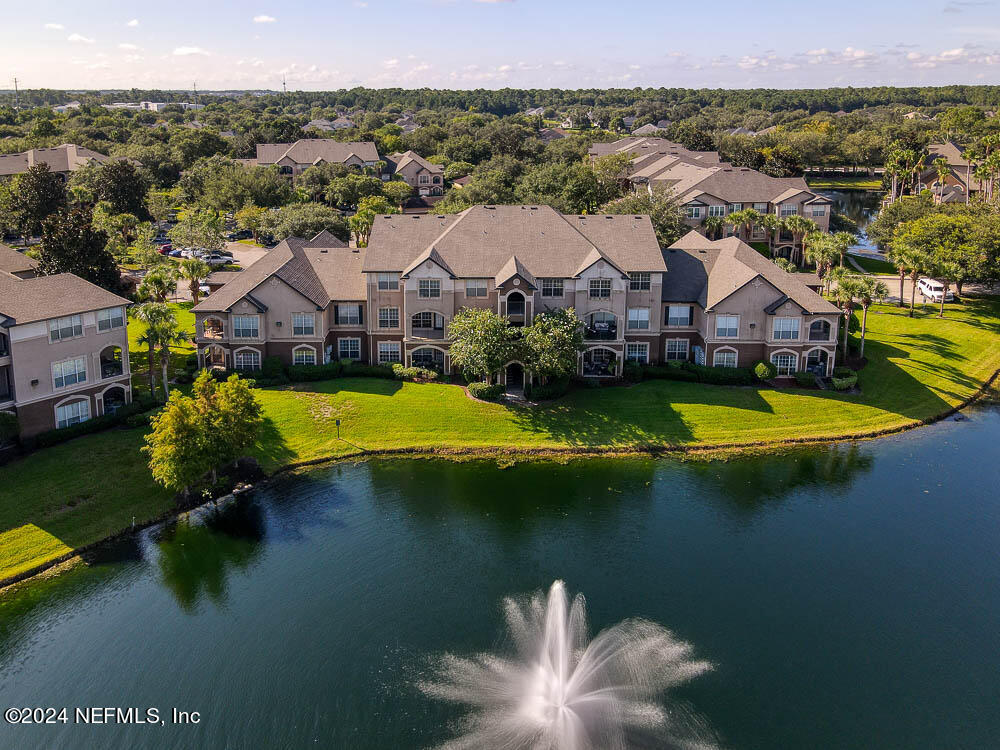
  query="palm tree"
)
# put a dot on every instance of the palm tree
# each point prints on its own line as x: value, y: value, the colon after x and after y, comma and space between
x: 820, y: 251
x: 194, y: 271
x: 843, y: 241
x: 713, y: 225
x: 168, y: 333
x: 157, y: 285
x: 970, y: 155
x: 846, y: 292
x: 868, y: 291
x: 150, y: 314
x: 943, y: 170
x: 799, y: 226
x: 748, y: 218
x: 771, y: 224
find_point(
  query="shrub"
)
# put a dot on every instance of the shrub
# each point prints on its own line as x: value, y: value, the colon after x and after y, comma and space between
x: 669, y: 371
x: 805, y: 379
x: 9, y: 427
x: 764, y: 370
x: 845, y: 383
x: 272, y: 368
x: 842, y: 372
x: 358, y: 370
x: 551, y: 390
x: 486, y: 391
x: 309, y: 373
x: 721, y: 375
x: 139, y: 407
x: 412, y: 373
x: 632, y: 372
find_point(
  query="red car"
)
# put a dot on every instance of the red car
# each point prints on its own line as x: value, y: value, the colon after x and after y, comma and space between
x: 164, y: 249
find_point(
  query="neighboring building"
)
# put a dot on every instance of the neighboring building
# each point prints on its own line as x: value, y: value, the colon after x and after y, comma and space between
x: 726, y: 305
x: 916, y: 116
x: 629, y: 121
x: 421, y: 204
x: 649, y: 129
x: 742, y: 131
x: 547, y: 135
x: 328, y: 125
x: 961, y: 181
x: 123, y: 105
x: 63, y: 351
x: 17, y: 264
x: 294, y: 158
x: 423, y: 176
x: 535, y: 112
x: 706, y: 186
x: 64, y: 108
x: 160, y: 106
x: 408, y: 123
x: 63, y: 159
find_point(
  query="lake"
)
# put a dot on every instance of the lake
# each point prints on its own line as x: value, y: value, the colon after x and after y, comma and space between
x: 847, y: 596
x: 860, y: 206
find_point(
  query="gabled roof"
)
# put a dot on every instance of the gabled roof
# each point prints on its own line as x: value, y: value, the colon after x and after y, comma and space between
x: 313, y: 150
x: 514, y: 267
x: 432, y: 255
x: 65, y: 158
x: 45, y: 297
x: 596, y: 256
x: 408, y: 157
x: 478, y: 242
x: 326, y: 239
x: 14, y: 262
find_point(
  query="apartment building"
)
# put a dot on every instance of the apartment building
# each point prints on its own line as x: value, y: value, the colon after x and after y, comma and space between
x: 17, y: 264
x: 63, y: 351
x: 707, y: 187
x: 294, y: 158
x: 722, y: 303
x: 63, y: 160
x: 424, y: 177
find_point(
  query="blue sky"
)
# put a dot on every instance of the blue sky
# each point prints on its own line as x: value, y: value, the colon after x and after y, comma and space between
x: 496, y: 43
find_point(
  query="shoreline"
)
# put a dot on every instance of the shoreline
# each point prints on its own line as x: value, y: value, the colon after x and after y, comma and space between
x: 704, y: 452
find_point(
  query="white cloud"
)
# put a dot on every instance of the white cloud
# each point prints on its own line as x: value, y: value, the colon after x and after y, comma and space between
x: 392, y: 63
x: 79, y: 38
x: 133, y: 23
x: 55, y: 26
x: 504, y: 68
x: 360, y: 5
x: 186, y: 51
x: 128, y: 47
x: 264, y: 19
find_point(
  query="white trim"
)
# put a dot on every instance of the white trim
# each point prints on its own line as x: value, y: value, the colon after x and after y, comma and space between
x: 687, y: 349
x: 305, y: 347
x: 795, y: 355
x: 732, y: 349
x: 644, y: 345
x: 830, y: 355
x: 72, y: 400
x: 349, y: 338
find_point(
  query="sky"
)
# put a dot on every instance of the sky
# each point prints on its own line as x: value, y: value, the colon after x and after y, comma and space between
x: 497, y: 43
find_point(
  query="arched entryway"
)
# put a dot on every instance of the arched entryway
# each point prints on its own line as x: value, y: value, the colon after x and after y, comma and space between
x: 817, y: 361
x: 514, y: 377
x: 600, y: 363
x: 429, y: 358
x: 112, y: 364
x: 113, y: 399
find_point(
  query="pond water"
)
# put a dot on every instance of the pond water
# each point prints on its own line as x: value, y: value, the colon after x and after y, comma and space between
x: 860, y: 206
x: 846, y: 596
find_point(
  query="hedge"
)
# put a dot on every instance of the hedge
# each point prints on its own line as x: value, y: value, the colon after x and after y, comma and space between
x: 413, y: 373
x: 551, y: 390
x: 805, y: 379
x: 632, y: 371
x: 669, y: 371
x: 9, y: 427
x: 692, y: 373
x: 845, y: 383
x: 842, y: 372
x: 97, y: 424
x: 486, y: 391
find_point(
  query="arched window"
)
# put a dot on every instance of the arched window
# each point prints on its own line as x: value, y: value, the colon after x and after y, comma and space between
x: 515, y: 303
x: 819, y: 330
x: 427, y: 325
x: 432, y: 359
x: 247, y: 359
x: 785, y: 362
x: 601, y: 325
x: 213, y: 328
x: 112, y: 364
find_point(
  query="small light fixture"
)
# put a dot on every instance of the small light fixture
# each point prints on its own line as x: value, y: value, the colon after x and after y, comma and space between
x: 278, y: 323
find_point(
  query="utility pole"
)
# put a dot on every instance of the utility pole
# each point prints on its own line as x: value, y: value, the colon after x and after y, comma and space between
x: 17, y: 98
x: 194, y: 89
x: 284, y: 88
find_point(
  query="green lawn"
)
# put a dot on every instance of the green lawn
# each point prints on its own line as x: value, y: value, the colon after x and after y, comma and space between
x: 81, y: 491
x: 873, y: 265
x: 138, y: 354
x: 847, y: 182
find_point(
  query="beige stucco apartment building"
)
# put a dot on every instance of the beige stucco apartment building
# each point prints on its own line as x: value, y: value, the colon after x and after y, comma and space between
x: 424, y: 177
x: 63, y: 351
x: 293, y: 159
x: 63, y: 160
x: 718, y: 303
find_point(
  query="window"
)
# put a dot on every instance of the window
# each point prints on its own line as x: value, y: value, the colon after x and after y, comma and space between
x: 246, y: 326
x: 388, y: 351
x: 428, y: 288
x: 70, y: 414
x: 784, y: 362
x: 436, y: 180
x: 819, y: 210
x: 428, y: 320
x: 600, y: 288
x: 70, y: 372
x: 303, y: 324
x: 347, y: 315
x: 349, y: 348
x: 388, y: 281
x: 734, y: 207
x: 679, y: 315
x: 552, y: 287
x: 388, y: 317
x: 475, y: 288
x: 677, y: 349
x: 716, y: 210
x: 425, y: 179
x: 637, y: 353
x: 789, y: 209
x: 786, y: 328
x: 639, y: 281
x: 249, y: 359
x: 760, y: 207
x: 638, y: 318
x: 65, y: 328
x: 113, y: 317
x: 724, y: 359
x: 727, y: 326
x: 692, y: 212
x: 757, y: 233
x: 303, y: 357
x: 819, y: 330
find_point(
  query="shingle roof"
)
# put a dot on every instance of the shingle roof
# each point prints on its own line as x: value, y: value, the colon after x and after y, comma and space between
x: 479, y: 241
x: 326, y: 239
x: 65, y: 158
x: 312, y: 150
x: 514, y: 267
x: 726, y: 266
x: 45, y: 297
x: 401, y: 160
x: 14, y: 262
x: 744, y: 185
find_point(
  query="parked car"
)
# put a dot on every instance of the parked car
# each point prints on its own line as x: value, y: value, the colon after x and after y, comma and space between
x: 192, y: 252
x: 243, y: 234
x: 164, y: 249
x: 178, y: 253
x: 932, y: 289
x: 216, y: 259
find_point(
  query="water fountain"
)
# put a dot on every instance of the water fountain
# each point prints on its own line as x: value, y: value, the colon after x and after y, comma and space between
x: 560, y: 691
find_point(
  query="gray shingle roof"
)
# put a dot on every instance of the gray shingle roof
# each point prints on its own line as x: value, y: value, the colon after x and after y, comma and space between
x: 311, y: 150
x: 65, y: 158
x: 14, y: 262
x: 45, y: 297
x: 478, y: 242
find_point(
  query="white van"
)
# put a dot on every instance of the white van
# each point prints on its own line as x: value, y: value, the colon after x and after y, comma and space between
x: 932, y: 289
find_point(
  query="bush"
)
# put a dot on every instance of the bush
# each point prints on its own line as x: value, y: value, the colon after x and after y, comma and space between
x: 842, y: 372
x: 551, y: 390
x: 764, y: 370
x: 670, y: 371
x: 358, y: 370
x: 632, y: 371
x: 845, y: 383
x: 805, y: 379
x: 9, y: 427
x: 309, y: 373
x: 486, y: 392
x: 125, y: 415
x: 721, y: 375
x: 272, y: 368
x: 412, y: 373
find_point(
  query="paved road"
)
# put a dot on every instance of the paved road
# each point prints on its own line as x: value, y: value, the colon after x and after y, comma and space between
x: 244, y: 255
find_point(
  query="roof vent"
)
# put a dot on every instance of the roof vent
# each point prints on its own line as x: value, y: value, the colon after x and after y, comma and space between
x: 609, y: 216
x: 415, y: 216
x: 324, y: 252
x: 440, y: 216
x: 490, y: 208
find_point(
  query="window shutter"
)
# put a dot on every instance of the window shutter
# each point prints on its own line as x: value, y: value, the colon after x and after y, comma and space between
x: 690, y: 314
x: 361, y: 314
x: 336, y: 314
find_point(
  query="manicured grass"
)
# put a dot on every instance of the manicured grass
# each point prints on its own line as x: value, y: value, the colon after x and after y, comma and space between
x: 860, y: 182
x: 139, y: 354
x: 873, y: 265
x: 918, y: 368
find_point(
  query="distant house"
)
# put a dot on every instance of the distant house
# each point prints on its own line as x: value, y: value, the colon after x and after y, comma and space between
x: 418, y: 173
x: 407, y: 123
x: 648, y: 129
x: 64, y: 108
x: 960, y: 181
x: 742, y: 131
x: 628, y: 122
x: 294, y: 158
x: 63, y: 159
x: 160, y: 106
x: 324, y: 125
x: 461, y: 182
x: 17, y: 264
x: 535, y: 112
x: 916, y: 116
x: 551, y: 134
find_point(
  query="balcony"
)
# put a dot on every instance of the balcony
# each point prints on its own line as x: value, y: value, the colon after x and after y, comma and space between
x: 112, y: 364
x: 213, y: 329
x: 6, y: 385
x: 601, y: 332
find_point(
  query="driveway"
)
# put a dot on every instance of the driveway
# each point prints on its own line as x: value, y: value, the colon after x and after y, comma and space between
x: 244, y: 255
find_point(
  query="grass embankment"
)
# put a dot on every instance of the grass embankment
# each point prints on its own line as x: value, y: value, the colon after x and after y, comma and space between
x: 858, y: 182
x: 138, y: 353
x: 84, y: 490
x: 875, y: 266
